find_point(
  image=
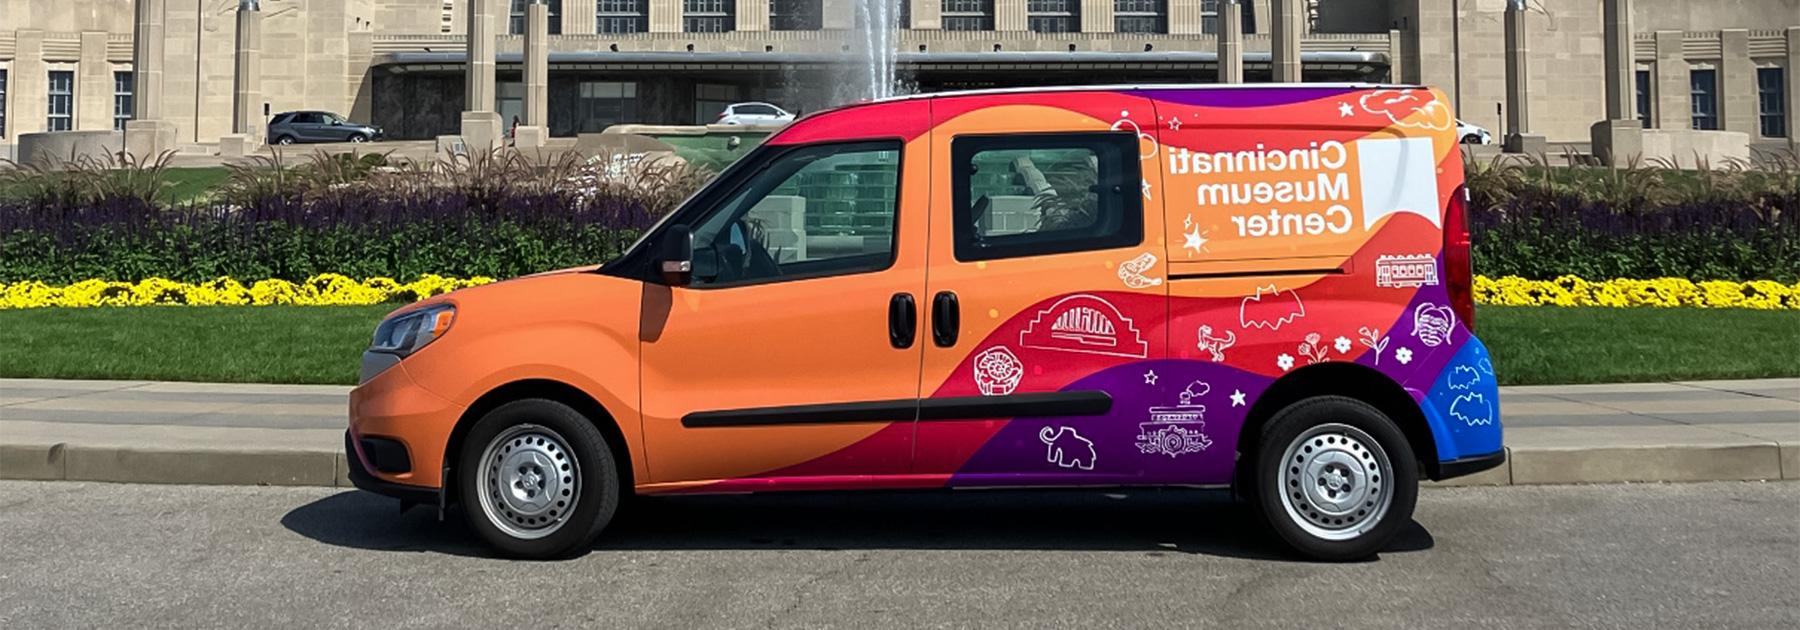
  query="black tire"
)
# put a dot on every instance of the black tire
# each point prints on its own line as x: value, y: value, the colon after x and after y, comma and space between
x: 284, y: 140
x: 358, y: 138
x: 592, y: 470
x: 1339, y: 427
x: 1471, y: 139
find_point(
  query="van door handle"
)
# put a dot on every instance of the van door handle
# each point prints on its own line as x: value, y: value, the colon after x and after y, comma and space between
x: 903, y: 320
x: 946, y: 319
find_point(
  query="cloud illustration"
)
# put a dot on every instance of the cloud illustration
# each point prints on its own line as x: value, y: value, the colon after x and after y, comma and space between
x: 1408, y: 108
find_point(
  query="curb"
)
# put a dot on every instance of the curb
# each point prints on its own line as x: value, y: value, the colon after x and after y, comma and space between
x: 328, y: 468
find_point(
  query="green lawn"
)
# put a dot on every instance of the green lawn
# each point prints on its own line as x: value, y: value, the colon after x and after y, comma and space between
x: 192, y: 184
x: 321, y: 344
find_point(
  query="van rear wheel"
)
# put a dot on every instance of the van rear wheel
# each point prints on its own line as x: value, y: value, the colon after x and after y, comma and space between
x: 1335, y: 478
x: 537, y: 479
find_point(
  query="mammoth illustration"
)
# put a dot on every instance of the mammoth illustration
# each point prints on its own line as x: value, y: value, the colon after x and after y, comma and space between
x: 1067, y: 448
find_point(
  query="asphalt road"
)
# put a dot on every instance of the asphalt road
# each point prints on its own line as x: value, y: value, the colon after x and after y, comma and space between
x: 1723, y: 555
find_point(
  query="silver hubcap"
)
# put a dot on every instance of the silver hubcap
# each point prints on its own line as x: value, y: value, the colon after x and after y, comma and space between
x: 530, y: 481
x: 1334, y: 481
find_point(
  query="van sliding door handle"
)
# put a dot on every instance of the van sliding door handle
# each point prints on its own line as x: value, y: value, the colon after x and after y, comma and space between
x: 946, y: 319
x: 903, y: 320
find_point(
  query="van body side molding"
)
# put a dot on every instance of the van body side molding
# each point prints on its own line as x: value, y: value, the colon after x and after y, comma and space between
x: 1076, y: 403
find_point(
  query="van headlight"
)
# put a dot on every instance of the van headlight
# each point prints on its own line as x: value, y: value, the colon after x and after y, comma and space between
x: 407, y: 333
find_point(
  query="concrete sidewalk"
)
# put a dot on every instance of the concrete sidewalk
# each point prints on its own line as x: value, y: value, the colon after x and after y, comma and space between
x: 200, y: 433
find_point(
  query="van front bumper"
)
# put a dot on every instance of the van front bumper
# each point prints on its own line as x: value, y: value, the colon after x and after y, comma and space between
x: 398, y: 432
x: 1469, y: 465
x: 365, y: 480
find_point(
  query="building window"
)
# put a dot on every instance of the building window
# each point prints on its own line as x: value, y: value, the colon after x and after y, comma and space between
x: 795, y: 15
x: 1770, y: 106
x: 516, y: 23
x: 602, y: 104
x: 62, y: 101
x: 2, y: 102
x: 708, y: 16
x: 1140, y: 16
x: 1643, y: 96
x: 1703, y: 92
x: 968, y: 15
x: 1053, y: 16
x: 447, y: 18
x: 620, y: 16
x: 898, y: 13
x: 122, y: 91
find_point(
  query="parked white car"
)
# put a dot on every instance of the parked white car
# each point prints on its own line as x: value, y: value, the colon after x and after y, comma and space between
x: 1470, y: 133
x: 754, y: 114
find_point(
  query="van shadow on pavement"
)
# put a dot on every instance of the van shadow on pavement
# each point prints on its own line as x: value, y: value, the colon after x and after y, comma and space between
x: 1166, y: 521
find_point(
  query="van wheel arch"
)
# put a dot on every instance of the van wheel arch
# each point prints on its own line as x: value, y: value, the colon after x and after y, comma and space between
x: 557, y: 391
x: 1349, y: 380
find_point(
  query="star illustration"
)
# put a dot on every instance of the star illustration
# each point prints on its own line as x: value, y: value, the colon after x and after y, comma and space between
x: 1237, y: 398
x: 1174, y: 124
x: 1344, y: 110
x: 1150, y: 377
x: 1146, y: 189
x: 1196, y: 241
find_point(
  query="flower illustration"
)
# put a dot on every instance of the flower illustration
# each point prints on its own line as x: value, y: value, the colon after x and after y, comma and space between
x: 1404, y: 354
x: 1342, y: 344
x: 1286, y: 361
x: 1313, y: 349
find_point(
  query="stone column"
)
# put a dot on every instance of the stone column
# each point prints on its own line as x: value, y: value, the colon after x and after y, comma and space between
x: 1673, y: 107
x: 578, y: 17
x: 1619, y: 139
x: 148, y: 134
x: 1519, y: 138
x: 1793, y: 87
x: 482, y: 130
x: 532, y: 130
x: 1009, y: 15
x: 927, y: 15
x: 1289, y: 20
x: 839, y: 15
x: 1396, y: 58
x: 1621, y: 70
x: 752, y: 15
x: 28, y: 85
x: 1184, y: 17
x: 1231, y: 42
x: 665, y: 16
x: 246, y: 104
x: 1737, y: 83
x: 1097, y: 16
x: 93, y: 84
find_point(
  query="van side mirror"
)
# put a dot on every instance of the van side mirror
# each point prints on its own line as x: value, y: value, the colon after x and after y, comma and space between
x: 677, y: 260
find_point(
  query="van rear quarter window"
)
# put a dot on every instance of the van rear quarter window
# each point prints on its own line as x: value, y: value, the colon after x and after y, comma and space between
x: 1036, y: 194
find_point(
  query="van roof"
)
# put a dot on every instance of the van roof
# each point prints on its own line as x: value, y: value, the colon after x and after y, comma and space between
x: 1135, y: 87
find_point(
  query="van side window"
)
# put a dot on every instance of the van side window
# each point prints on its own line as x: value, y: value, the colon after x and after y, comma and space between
x: 1036, y: 194
x: 814, y: 211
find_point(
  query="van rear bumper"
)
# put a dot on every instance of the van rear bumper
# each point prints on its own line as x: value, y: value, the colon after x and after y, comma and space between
x: 1469, y: 465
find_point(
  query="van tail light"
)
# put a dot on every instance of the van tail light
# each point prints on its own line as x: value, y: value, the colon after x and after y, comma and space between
x: 1458, y: 267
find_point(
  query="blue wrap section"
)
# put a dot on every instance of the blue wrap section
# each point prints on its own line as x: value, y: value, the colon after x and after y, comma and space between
x: 1463, y: 405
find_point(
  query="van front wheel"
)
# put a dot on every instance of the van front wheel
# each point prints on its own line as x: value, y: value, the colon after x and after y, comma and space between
x: 1336, y: 478
x: 537, y: 479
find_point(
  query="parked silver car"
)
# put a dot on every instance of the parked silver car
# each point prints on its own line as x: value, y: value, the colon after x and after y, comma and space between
x: 316, y: 126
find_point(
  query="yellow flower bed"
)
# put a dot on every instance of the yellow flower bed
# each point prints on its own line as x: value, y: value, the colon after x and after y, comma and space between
x: 328, y: 289
x: 1623, y: 292
x: 335, y: 290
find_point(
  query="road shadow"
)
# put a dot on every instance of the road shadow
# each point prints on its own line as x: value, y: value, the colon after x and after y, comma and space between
x: 1151, y: 521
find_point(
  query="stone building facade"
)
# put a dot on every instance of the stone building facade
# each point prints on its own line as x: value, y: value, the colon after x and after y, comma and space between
x: 66, y: 64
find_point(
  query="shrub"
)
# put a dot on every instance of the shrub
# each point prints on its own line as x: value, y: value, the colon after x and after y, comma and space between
x: 1638, y: 221
x: 501, y: 215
